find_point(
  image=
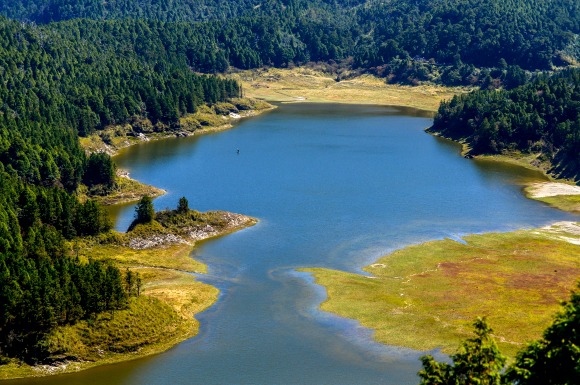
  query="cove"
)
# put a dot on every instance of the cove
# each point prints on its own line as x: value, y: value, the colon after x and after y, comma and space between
x: 333, y: 186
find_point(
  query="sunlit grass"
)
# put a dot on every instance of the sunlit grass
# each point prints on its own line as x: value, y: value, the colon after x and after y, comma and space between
x: 563, y: 202
x: 427, y: 296
x: 128, y: 190
x: 306, y: 84
x: 175, y: 257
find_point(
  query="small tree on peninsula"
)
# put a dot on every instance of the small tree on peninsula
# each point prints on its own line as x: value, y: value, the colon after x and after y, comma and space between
x: 183, y: 205
x: 144, y: 211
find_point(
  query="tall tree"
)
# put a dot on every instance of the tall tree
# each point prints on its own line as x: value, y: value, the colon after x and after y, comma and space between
x: 144, y: 211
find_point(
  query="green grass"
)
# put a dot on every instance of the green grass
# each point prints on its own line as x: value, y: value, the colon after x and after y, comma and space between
x: 563, y: 202
x: 427, y: 296
x: 176, y: 257
x: 148, y: 321
x: 127, y: 190
x: 162, y: 316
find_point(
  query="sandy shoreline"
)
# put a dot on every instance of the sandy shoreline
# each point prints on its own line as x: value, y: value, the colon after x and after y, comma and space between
x: 550, y: 189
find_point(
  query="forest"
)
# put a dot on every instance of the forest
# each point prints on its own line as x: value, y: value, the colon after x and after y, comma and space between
x: 452, y: 41
x: 54, y: 87
x: 542, y: 116
x: 69, y: 68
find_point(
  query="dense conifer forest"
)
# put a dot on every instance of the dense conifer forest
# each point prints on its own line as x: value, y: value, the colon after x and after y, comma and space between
x: 542, y: 117
x: 69, y: 68
x: 451, y: 41
x: 59, y: 82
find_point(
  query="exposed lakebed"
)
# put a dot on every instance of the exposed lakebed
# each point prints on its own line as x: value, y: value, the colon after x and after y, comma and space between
x: 333, y: 186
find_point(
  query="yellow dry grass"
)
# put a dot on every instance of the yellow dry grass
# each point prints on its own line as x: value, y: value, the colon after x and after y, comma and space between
x: 176, y: 256
x: 162, y: 316
x: 427, y: 296
x: 127, y: 190
x: 308, y: 85
x: 176, y: 289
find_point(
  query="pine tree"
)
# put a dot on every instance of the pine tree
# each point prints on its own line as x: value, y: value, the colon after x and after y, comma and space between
x: 478, y: 362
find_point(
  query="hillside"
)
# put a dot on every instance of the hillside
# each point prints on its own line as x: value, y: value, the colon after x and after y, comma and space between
x: 450, y: 42
x: 73, y: 69
x: 540, y: 118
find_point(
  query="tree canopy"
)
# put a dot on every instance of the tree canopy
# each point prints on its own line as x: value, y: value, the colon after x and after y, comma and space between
x: 552, y: 360
x: 408, y: 41
x: 542, y: 116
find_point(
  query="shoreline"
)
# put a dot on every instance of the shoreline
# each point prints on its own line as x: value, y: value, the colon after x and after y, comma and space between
x: 180, y: 249
x: 167, y: 270
x: 564, y: 195
x: 131, y: 190
x: 309, y: 85
x: 425, y: 296
x: 175, y: 287
x: 95, y: 143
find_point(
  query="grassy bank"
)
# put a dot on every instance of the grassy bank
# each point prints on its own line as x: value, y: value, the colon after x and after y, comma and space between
x: 563, y: 202
x: 126, y: 190
x: 208, y: 119
x: 217, y: 117
x: 558, y: 193
x: 170, y: 296
x: 426, y: 296
x: 561, y: 195
x: 312, y: 85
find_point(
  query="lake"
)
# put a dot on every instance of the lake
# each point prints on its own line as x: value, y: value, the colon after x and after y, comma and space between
x: 334, y: 186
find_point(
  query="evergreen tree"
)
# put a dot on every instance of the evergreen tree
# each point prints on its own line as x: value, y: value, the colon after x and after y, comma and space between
x: 144, y: 212
x: 554, y: 359
x: 478, y: 362
x: 183, y: 205
x: 100, y: 171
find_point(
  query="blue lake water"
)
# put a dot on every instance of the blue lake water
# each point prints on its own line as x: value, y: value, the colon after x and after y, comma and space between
x: 333, y: 186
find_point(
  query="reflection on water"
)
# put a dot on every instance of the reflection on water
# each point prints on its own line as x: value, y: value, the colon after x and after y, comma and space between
x: 333, y: 186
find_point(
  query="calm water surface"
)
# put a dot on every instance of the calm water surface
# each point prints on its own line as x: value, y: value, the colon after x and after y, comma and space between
x: 333, y: 186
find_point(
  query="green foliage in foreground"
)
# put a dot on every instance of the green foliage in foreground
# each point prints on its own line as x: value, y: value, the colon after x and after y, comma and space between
x: 478, y: 361
x: 552, y: 360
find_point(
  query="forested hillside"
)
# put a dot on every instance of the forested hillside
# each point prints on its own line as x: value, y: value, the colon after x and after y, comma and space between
x: 73, y: 67
x: 542, y: 117
x: 45, y: 11
x: 56, y: 84
x: 452, y: 41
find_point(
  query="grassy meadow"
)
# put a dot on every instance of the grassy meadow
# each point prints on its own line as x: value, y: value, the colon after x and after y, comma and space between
x: 427, y: 296
x: 305, y: 84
